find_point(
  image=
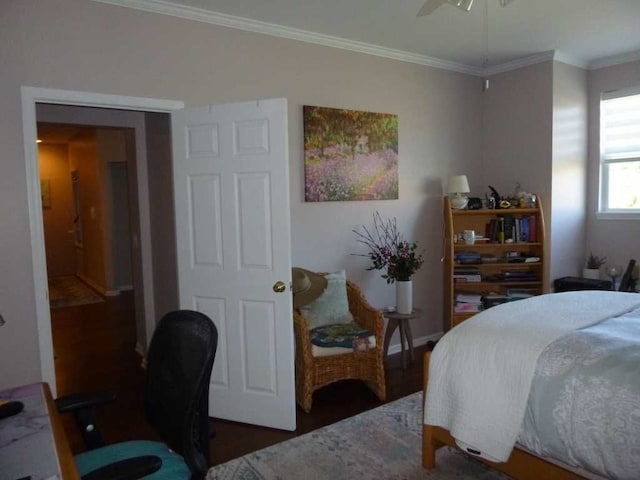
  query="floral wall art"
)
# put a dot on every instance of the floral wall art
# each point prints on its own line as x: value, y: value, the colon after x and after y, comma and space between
x: 350, y: 155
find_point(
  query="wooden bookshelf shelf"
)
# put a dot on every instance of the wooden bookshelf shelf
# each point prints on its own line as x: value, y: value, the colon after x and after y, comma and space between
x: 477, y: 245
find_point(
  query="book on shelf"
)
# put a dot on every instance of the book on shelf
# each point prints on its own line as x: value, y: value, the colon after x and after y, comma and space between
x: 466, y: 270
x: 467, y: 274
x: 467, y: 278
x: 467, y: 302
x: 509, y: 227
x: 515, y: 291
x: 493, y: 299
x: 519, y: 274
x: 467, y: 257
x: 467, y: 307
x: 469, y: 297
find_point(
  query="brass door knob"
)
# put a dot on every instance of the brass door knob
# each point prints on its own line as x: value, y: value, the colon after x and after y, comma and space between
x: 279, y: 286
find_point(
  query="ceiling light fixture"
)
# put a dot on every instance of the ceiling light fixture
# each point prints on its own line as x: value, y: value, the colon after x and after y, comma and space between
x: 485, y: 59
x: 463, y: 4
x: 38, y: 141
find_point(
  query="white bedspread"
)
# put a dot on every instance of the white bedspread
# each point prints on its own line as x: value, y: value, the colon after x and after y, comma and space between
x: 481, y: 371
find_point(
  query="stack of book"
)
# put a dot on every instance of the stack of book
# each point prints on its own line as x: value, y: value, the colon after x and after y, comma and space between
x: 521, y: 293
x: 519, y: 276
x: 493, y: 299
x: 467, y: 258
x: 468, y: 302
x: 466, y: 274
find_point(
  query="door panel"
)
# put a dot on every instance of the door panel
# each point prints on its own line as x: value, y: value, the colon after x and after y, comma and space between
x: 231, y: 186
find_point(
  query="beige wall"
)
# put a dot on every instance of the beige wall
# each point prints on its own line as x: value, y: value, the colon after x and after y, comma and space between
x: 518, y: 132
x: 58, y: 219
x: 114, y: 161
x: 165, y: 270
x: 83, y: 157
x: 518, y: 127
x: 568, y: 171
x: 515, y: 132
x: 89, y: 46
x: 615, y: 239
x: 535, y: 129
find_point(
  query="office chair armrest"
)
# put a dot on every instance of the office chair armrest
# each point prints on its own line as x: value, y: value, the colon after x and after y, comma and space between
x: 82, y: 405
x: 76, y: 401
x: 129, y: 469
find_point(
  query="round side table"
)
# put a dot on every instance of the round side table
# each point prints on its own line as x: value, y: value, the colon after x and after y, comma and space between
x: 402, y: 323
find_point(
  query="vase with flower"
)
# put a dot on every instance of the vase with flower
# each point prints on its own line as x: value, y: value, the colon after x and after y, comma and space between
x: 389, y: 251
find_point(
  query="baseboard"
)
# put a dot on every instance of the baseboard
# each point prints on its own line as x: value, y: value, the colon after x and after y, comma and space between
x: 417, y: 342
x: 98, y: 288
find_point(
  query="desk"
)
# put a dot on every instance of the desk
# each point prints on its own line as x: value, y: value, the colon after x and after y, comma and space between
x: 33, y: 442
x: 400, y: 321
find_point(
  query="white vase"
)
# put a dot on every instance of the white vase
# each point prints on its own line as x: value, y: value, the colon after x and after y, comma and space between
x: 404, y: 296
x: 593, y: 273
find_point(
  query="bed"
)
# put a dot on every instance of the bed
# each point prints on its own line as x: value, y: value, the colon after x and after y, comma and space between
x: 547, y: 387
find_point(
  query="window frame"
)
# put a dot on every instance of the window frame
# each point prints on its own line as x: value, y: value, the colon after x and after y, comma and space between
x: 604, y: 211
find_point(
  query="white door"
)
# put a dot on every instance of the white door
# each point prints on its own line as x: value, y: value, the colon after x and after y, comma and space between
x: 231, y: 182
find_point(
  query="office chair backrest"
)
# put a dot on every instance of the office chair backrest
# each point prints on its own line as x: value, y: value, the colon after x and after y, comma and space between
x: 180, y: 360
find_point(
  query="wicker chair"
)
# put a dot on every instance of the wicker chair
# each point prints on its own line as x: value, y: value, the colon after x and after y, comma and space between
x: 313, y: 373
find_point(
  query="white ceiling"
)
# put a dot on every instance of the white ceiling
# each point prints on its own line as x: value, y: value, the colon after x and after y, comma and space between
x: 587, y: 33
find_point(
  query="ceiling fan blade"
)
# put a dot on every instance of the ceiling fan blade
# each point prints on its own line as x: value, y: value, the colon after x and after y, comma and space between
x: 429, y: 6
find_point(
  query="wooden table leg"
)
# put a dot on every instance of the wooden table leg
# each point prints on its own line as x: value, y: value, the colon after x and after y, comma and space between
x: 403, y: 337
x: 392, y: 324
x: 409, y: 337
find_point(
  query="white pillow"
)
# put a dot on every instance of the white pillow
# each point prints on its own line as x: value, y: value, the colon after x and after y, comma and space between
x: 332, y: 306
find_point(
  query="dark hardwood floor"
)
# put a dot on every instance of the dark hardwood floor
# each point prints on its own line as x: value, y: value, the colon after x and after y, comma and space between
x: 94, y: 349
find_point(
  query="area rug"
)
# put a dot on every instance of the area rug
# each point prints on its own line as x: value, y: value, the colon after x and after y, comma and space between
x: 69, y: 291
x: 383, y: 443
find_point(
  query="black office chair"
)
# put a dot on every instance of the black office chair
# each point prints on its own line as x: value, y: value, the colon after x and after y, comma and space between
x: 179, y: 362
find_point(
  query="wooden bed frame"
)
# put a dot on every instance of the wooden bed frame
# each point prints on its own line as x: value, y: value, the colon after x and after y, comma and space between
x: 521, y: 464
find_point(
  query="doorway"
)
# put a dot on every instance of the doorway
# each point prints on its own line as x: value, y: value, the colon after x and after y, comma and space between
x: 114, y: 111
x: 86, y: 223
x: 253, y: 131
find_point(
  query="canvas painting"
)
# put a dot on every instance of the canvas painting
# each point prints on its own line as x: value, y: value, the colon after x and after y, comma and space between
x: 350, y: 155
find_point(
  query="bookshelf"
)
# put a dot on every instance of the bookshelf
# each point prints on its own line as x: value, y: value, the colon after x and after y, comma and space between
x: 508, y: 263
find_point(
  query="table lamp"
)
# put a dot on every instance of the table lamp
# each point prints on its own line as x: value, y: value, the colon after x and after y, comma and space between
x: 457, y: 186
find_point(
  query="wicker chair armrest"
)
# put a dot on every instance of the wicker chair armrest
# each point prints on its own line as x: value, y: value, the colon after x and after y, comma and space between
x: 301, y: 334
x: 363, y: 313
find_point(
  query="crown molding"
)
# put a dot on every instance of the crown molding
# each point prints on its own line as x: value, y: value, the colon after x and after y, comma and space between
x: 521, y: 62
x: 614, y: 60
x: 215, y: 18
x: 562, y: 57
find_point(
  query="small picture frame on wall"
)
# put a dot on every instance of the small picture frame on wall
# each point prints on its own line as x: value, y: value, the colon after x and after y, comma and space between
x: 45, y: 193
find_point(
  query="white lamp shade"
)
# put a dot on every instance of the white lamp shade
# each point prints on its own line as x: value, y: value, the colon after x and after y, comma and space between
x: 458, y: 184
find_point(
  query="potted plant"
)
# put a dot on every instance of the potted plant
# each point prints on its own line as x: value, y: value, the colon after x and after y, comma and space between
x: 592, y: 266
x: 389, y: 251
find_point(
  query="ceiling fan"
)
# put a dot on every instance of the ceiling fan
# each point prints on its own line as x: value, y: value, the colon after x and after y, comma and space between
x: 430, y: 5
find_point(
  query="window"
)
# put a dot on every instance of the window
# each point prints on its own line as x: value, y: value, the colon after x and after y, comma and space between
x: 620, y: 151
